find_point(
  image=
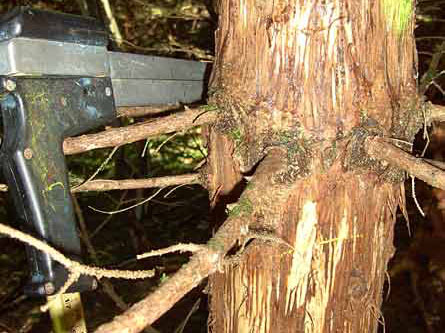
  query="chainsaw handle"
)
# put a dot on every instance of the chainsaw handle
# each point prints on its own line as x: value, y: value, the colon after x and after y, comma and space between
x: 36, y: 119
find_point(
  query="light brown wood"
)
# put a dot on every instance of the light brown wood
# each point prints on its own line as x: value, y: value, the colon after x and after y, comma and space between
x: 140, y: 131
x: 316, y: 78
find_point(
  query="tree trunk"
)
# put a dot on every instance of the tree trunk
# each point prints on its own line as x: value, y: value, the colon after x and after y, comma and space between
x: 315, y: 78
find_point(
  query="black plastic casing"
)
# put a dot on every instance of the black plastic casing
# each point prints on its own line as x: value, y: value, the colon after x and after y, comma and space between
x: 38, y: 113
x: 34, y: 23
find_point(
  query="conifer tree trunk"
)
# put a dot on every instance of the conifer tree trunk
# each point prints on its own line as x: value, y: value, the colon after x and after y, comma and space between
x: 315, y: 79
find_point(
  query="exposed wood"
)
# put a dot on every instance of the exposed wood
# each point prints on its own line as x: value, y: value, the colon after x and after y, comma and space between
x: 310, y: 76
x: 201, y: 264
x: 417, y: 167
x: 140, y: 131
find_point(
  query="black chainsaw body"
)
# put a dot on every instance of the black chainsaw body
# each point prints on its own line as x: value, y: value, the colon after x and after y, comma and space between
x: 38, y: 113
x: 47, y: 25
x: 37, y: 116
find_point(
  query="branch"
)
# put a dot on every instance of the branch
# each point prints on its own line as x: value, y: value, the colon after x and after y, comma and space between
x: 200, y: 266
x: 107, y: 287
x: 174, y: 248
x: 202, y: 263
x: 140, y: 111
x: 140, y: 131
x: 73, y: 266
x: 114, y: 28
x: 380, y: 149
x: 130, y: 184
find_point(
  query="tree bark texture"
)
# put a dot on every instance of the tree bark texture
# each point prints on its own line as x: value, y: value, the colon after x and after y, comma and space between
x: 316, y: 78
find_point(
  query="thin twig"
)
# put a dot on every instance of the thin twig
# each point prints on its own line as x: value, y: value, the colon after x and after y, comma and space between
x: 194, y: 308
x: 413, y: 190
x: 127, y: 208
x: 108, y: 288
x: 165, y: 141
x: 109, y: 217
x: 174, y: 248
x: 99, y: 169
x: 173, y: 190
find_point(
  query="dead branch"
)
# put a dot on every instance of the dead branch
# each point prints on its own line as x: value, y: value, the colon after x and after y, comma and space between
x: 132, y: 184
x: 201, y: 265
x: 73, y: 266
x: 380, y: 149
x: 190, y: 247
x: 140, y: 131
x: 101, y: 185
x: 141, y: 111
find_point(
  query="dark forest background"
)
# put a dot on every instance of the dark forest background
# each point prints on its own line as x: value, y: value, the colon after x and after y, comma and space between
x: 415, y: 292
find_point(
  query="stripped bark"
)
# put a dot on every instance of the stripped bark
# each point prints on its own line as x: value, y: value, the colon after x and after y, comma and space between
x: 203, y: 263
x: 140, y: 131
x: 313, y: 77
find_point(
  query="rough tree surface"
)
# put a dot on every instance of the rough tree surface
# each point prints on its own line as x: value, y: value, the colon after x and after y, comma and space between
x: 316, y: 78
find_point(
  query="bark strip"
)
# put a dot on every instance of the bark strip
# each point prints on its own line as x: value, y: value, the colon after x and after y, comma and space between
x: 129, y: 134
x: 417, y: 167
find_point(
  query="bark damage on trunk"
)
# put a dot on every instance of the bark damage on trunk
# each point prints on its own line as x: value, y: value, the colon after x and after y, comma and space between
x: 316, y: 78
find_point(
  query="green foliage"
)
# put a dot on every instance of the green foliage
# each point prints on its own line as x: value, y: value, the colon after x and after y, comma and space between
x: 178, y: 155
x: 163, y: 278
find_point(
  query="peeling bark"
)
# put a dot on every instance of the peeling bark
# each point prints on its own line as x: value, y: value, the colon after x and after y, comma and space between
x: 315, y: 78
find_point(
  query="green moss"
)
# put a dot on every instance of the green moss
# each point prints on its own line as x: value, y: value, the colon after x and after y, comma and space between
x: 398, y: 14
x: 209, y: 107
x: 242, y: 208
x: 235, y: 134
